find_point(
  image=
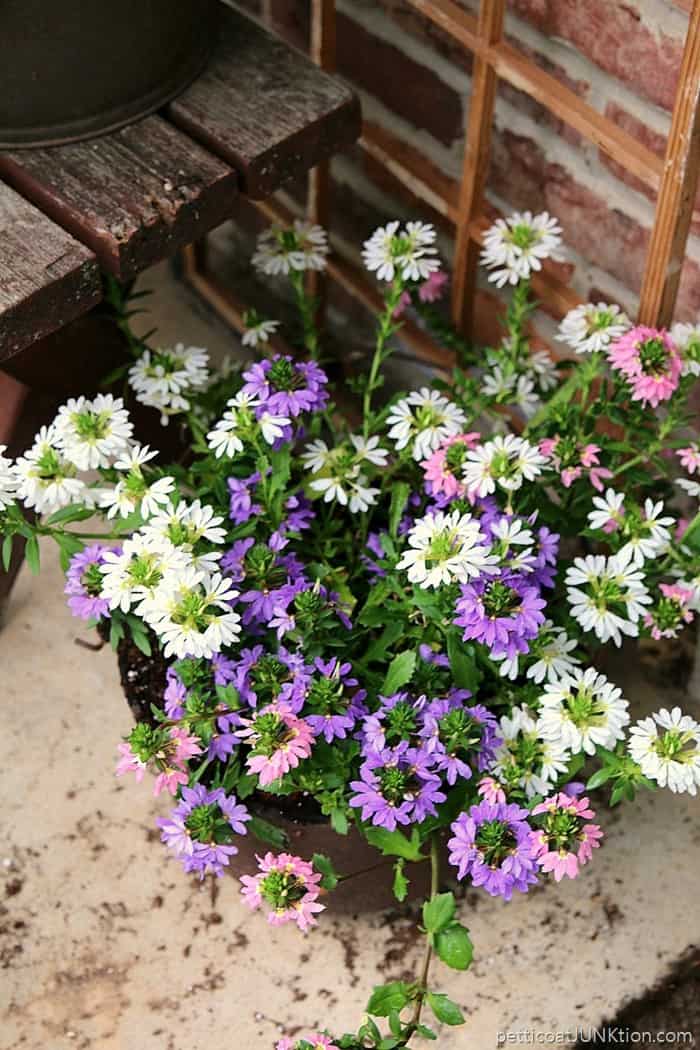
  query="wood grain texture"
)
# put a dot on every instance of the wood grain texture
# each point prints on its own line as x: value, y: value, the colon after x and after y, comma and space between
x: 265, y: 108
x: 46, y: 277
x: 134, y: 196
x: 674, y: 208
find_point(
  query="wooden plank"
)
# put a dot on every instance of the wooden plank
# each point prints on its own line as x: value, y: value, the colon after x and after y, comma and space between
x: 46, y: 278
x: 510, y: 65
x: 265, y: 108
x: 475, y: 167
x: 674, y: 208
x: 134, y: 197
x: 318, y: 209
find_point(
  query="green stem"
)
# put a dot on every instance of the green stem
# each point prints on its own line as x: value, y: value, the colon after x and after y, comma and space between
x: 427, y: 958
x: 306, y: 307
x: 387, y: 327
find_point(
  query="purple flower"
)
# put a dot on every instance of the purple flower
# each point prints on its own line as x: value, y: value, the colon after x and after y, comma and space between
x: 429, y: 656
x: 334, y: 701
x: 397, y: 787
x: 492, y: 844
x: 200, y: 829
x: 224, y: 669
x: 546, y: 559
x: 287, y: 387
x: 374, y: 546
x: 262, y: 678
x: 233, y: 559
x: 459, y: 738
x: 175, y: 695
x: 242, y: 507
x: 222, y: 745
x: 503, y: 613
x: 272, y: 579
x: 399, y: 720
x: 84, y: 583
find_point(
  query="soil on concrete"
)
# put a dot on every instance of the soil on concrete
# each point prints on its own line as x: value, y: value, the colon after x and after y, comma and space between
x: 672, y: 1006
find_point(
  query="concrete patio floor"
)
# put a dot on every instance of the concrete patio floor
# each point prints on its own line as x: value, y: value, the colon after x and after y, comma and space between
x: 104, y: 944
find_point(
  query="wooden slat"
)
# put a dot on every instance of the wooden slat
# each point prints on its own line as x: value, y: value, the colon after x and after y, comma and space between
x: 134, y: 197
x: 46, y: 278
x: 265, y: 108
x: 323, y: 55
x: 522, y: 73
x: 475, y: 166
x: 674, y: 208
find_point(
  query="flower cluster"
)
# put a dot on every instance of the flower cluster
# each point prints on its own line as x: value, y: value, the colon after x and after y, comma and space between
x: 391, y: 622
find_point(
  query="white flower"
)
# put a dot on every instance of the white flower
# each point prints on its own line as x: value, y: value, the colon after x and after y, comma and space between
x: 282, y: 250
x: 614, y: 596
x: 445, y: 547
x: 237, y: 422
x: 592, y: 327
x: 409, y: 252
x: 164, y: 378
x: 132, y: 574
x: 332, y: 489
x: 185, y: 526
x: 362, y: 495
x: 134, y: 492
x: 192, y: 615
x: 512, y: 533
x: 553, y: 649
x: 425, y: 418
x: 135, y: 456
x: 272, y: 427
x: 689, y: 486
x: 610, y: 511
x: 525, y: 396
x: 504, y: 461
x: 524, y: 758
x: 46, y: 481
x: 583, y: 710
x: 497, y: 385
x: 93, y: 433
x: 516, y: 246
x: 541, y: 365
x: 652, y: 535
x: 259, y: 332
x: 687, y: 339
x: 368, y: 449
x: 666, y: 747
x: 316, y: 456
x: 8, y: 480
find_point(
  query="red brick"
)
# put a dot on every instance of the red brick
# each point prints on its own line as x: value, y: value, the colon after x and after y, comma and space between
x: 613, y: 35
x: 653, y: 141
x: 409, y: 89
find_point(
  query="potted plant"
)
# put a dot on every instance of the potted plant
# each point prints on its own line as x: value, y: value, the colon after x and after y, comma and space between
x: 388, y: 631
x: 125, y: 60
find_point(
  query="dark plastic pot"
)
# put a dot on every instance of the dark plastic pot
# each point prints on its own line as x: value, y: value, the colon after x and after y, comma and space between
x: 307, y: 830
x: 71, y: 69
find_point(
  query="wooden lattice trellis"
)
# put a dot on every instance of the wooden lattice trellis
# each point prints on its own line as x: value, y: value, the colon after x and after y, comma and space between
x: 673, y: 178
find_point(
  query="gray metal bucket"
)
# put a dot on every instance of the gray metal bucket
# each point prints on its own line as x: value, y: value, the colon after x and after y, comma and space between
x: 72, y: 69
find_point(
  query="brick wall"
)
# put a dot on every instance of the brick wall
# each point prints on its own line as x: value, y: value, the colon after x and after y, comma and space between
x: 414, y: 81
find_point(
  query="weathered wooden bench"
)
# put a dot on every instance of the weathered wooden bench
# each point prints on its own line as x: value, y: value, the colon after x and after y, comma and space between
x: 260, y: 115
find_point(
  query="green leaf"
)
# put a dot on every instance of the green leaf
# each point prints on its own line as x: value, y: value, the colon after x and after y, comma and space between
x: 439, y: 912
x: 400, y: 881
x: 400, y: 492
x: 31, y: 553
x: 116, y: 631
x: 399, y: 672
x: 444, y: 1009
x: 339, y: 821
x: 323, y: 864
x: 425, y: 1033
x: 69, y: 514
x: 387, y: 998
x: 391, y: 633
x: 462, y: 664
x: 599, y: 777
x: 395, y: 843
x: 266, y: 832
x: 454, y: 947
x: 7, y: 552
x: 68, y: 546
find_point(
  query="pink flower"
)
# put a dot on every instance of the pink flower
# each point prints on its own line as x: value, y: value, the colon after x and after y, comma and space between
x: 681, y: 528
x: 289, y: 886
x: 129, y: 763
x: 566, y: 840
x: 548, y: 445
x: 690, y: 458
x: 491, y: 790
x: 169, y: 779
x: 671, y: 612
x: 569, y: 475
x: 650, y: 361
x: 402, y: 305
x: 317, y: 1041
x: 185, y: 745
x: 279, y: 739
x: 433, y: 288
x: 442, y: 467
x: 589, y: 456
x: 598, y: 476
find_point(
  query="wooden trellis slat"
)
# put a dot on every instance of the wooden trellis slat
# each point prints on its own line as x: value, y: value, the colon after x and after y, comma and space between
x: 323, y: 52
x: 674, y: 208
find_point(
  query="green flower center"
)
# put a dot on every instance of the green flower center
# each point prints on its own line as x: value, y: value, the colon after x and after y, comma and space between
x: 525, y: 755
x: 667, y: 614
x: 91, y: 426
x: 204, y: 822
x: 455, y: 456
x: 500, y: 600
x: 599, y: 320
x: 523, y: 236
x: 584, y: 709
x: 271, y: 733
x: 326, y: 696
x: 282, y: 374
x: 495, y: 841
x: 676, y: 746
x: 562, y: 829
x: 401, y: 722
x: 397, y: 785
x: 192, y: 612
x: 442, y: 547
x: 428, y: 416
x: 92, y: 580
x: 282, y: 889
x: 145, y: 571
x: 459, y: 732
x: 48, y: 466
x: 653, y: 356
